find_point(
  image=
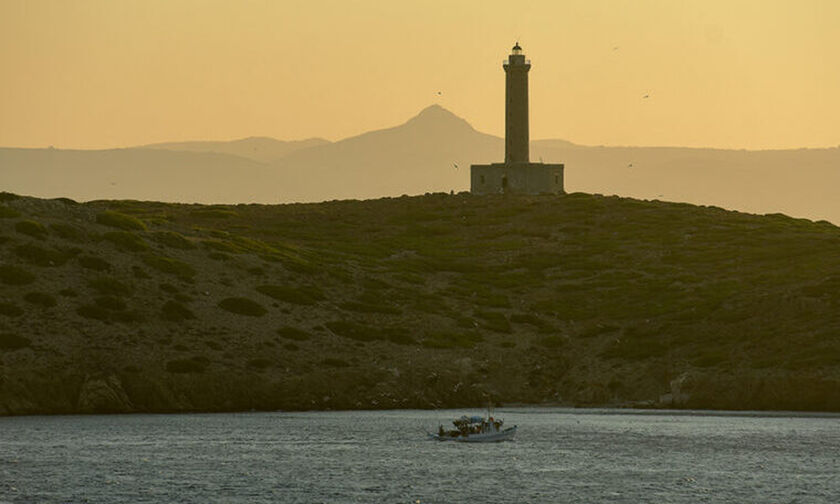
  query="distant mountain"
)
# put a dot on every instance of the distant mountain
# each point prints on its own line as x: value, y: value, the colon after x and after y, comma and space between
x: 797, y: 182
x: 261, y: 149
x: 142, y: 174
x: 431, y: 152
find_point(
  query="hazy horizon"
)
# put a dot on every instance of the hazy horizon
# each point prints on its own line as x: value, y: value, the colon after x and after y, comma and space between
x: 93, y: 74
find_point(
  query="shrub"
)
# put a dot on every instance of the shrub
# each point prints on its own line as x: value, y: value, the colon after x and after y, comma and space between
x: 13, y: 341
x: 40, y: 256
x: 361, y: 332
x: 110, y: 303
x: 398, y: 336
x: 494, y: 321
x: 291, y: 347
x: 526, y: 318
x: 242, y: 306
x: 66, y: 231
x: 635, y: 347
x: 172, y: 239
x: 214, y: 213
x: 219, y: 256
x: 94, y: 263
x: 168, y: 288
x: 294, y: 295
x: 192, y: 365
x: 31, y: 228
x: 138, y: 272
x: 369, y: 308
x: 13, y: 275
x: 493, y: 300
x: 94, y: 312
x: 174, y: 311
x: 10, y: 310
x: 451, y: 340
x: 119, y: 220
x: 599, y: 329
x: 293, y: 333
x: 103, y: 314
x: 552, y: 341
x: 110, y: 286
x: 7, y: 213
x: 354, y: 331
x: 125, y: 240
x: 68, y: 292
x: 336, y: 363
x: 41, y: 299
x: 260, y: 363
x: 221, y: 246
x: 170, y: 266
x: 7, y: 196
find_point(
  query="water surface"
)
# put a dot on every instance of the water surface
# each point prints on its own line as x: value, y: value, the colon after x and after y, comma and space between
x: 559, y: 455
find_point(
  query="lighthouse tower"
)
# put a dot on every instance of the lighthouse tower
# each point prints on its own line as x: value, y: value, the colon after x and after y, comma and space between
x: 516, y: 106
x: 517, y: 174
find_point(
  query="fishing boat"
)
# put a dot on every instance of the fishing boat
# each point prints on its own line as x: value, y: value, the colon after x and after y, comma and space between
x: 475, y: 429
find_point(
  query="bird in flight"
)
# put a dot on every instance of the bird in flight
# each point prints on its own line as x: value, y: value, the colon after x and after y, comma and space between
x: 630, y: 165
x: 645, y: 97
x: 440, y: 93
x: 455, y: 165
x: 615, y: 48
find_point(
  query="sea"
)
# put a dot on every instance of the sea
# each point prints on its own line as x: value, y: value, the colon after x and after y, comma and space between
x: 558, y: 456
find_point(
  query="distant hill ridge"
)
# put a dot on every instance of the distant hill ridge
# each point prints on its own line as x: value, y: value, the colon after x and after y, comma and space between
x: 263, y: 149
x: 430, y: 152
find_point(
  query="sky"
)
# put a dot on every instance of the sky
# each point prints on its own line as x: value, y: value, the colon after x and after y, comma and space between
x: 717, y: 73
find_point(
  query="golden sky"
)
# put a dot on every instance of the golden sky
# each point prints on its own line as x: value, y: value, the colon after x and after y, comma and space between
x: 720, y: 73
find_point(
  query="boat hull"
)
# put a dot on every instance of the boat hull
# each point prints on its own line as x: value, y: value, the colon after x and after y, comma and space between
x: 484, y: 437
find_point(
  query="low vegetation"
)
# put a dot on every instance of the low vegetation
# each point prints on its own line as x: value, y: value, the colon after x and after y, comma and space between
x: 41, y: 299
x: 32, y: 228
x: 293, y: 333
x: 433, y: 301
x: 15, y: 275
x: 13, y: 341
x: 170, y: 266
x: 173, y: 311
x: 291, y: 294
x: 242, y: 306
x: 126, y: 240
x: 119, y: 220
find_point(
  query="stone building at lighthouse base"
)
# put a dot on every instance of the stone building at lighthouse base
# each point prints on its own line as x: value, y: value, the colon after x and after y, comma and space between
x: 516, y: 178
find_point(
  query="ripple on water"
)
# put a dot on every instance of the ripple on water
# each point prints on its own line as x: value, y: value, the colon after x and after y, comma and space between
x: 569, y: 455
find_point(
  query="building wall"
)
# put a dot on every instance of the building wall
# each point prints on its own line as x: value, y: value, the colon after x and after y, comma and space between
x: 521, y: 178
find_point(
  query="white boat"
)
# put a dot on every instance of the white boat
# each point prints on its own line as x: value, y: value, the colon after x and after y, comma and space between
x: 475, y: 429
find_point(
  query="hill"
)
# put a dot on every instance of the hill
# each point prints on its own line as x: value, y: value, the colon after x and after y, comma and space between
x: 262, y: 149
x: 433, y: 301
x: 429, y: 153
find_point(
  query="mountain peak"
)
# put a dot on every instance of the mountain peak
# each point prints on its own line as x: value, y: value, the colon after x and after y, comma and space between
x: 437, y: 116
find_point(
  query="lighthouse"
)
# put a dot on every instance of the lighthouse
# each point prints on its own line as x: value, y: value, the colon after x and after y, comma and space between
x: 516, y: 106
x: 517, y: 174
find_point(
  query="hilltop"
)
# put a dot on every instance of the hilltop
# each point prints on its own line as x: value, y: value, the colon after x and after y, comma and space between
x: 429, y: 301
